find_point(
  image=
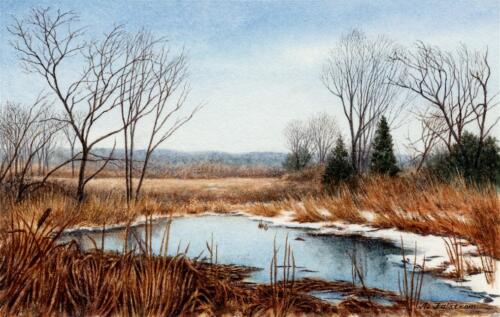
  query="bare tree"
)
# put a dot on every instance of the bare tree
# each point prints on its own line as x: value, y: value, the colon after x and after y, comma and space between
x: 26, y: 133
x: 16, y: 124
x: 46, y: 152
x: 430, y: 130
x: 299, y: 143
x: 70, y: 138
x: 323, y: 132
x: 358, y: 72
x: 456, y: 88
x: 45, y: 41
x: 297, y: 136
x: 155, y: 89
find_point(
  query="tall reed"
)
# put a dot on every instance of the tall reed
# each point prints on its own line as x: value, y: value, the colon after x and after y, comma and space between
x: 282, y: 291
x: 410, y: 288
x: 40, y: 276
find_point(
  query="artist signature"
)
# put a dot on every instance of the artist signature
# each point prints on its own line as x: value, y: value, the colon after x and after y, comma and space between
x: 448, y: 306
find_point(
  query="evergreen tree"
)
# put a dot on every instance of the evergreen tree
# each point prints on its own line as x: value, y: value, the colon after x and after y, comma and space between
x: 383, y: 160
x: 464, y: 161
x: 339, y: 168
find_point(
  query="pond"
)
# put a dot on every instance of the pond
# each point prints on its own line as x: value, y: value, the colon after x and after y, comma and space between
x: 241, y: 241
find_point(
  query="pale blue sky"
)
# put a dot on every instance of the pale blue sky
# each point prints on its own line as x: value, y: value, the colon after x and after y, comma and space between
x: 257, y: 64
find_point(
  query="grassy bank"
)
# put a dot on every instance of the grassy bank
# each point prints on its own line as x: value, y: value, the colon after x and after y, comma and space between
x: 39, y: 277
x: 407, y: 203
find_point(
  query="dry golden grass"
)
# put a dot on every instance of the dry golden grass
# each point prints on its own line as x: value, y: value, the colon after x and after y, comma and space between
x: 106, y: 204
x: 462, y: 266
x: 232, y: 190
x: 437, y: 208
x: 308, y: 210
x: 189, y: 171
x: 342, y: 207
x: 40, y: 277
x: 408, y: 203
x: 266, y: 209
x: 309, y: 174
x: 218, y: 170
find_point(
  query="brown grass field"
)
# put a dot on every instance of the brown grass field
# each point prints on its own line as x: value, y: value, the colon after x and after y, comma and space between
x: 92, y: 283
x: 406, y: 203
x: 40, y: 277
x: 204, y: 170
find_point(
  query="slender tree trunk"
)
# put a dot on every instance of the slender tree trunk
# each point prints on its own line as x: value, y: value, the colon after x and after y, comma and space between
x: 143, y: 173
x: 80, y: 192
x: 132, y: 144
x: 127, y: 170
x: 73, y: 161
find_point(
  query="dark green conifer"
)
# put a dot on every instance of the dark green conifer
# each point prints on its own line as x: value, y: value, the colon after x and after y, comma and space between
x: 339, y: 168
x: 383, y: 160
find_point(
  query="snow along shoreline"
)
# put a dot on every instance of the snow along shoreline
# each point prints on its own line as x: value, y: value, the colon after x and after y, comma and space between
x: 431, y: 246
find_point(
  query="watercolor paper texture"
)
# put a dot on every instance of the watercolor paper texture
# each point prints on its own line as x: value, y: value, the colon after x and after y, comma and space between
x: 249, y: 158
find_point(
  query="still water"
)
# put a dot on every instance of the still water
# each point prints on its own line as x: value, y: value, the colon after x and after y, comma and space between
x: 242, y: 241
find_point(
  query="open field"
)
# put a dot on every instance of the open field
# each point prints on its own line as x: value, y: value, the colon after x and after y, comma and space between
x: 406, y: 203
x: 222, y: 187
x: 186, y: 171
x: 106, y: 203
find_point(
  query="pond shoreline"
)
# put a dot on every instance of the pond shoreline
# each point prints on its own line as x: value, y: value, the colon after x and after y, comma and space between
x: 430, y: 246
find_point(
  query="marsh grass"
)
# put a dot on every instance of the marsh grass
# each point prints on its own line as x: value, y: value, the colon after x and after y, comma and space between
x: 410, y: 288
x: 42, y: 277
x: 203, y: 170
x: 427, y: 206
x: 309, y: 210
x: 282, y: 291
x: 457, y: 258
x: 342, y: 206
x: 266, y: 209
x: 415, y: 204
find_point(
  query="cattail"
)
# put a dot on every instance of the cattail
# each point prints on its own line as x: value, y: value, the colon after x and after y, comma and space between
x: 44, y: 217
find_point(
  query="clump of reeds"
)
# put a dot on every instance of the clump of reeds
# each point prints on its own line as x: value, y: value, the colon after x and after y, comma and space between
x: 358, y: 272
x: 266, y: 209
x: 342, y: 206
x: 410, y: 287
x: 282, y: 291
x: 484, y: 223
x: 429, y: 206
x: 308, y: 210
x: 457, y: 258
x: 40, y: 276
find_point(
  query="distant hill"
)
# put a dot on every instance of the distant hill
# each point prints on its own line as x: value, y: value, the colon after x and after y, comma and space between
x: 173, y: 157
x: 179, y: 158
x: 249, y: 159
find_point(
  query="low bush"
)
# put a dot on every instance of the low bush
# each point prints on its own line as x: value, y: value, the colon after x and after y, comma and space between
x: 465, y: 161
